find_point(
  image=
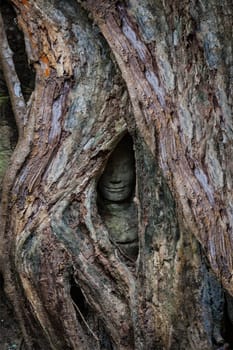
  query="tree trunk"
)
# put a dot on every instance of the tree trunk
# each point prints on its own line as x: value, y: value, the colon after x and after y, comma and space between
x: 85, y: 264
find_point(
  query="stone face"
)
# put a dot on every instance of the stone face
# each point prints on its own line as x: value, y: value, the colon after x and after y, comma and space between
x: 117, y: 182
x: 116, y: 188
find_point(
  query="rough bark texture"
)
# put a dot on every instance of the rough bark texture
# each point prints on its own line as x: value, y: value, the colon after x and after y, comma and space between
x: 160, y: 71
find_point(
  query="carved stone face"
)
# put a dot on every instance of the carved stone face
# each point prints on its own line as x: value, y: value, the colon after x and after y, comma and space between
x: 117, y: 182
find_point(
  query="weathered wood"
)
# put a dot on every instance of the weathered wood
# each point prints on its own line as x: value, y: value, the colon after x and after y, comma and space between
x: 182, y: 105
x: 153, y: 76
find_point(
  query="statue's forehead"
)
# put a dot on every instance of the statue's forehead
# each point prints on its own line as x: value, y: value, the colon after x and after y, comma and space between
x: 120, y: 158
x: 121, y: 154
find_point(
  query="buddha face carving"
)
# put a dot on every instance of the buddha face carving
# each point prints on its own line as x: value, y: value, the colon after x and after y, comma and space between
x: 115, y: 203
x: 117, y: 182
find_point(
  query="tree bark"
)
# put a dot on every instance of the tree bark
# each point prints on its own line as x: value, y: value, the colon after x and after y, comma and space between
x: 160, y: 72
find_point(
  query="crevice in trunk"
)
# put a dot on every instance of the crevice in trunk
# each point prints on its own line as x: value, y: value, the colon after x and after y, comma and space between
x: 90, y: 322
x: 228, y: 320
x: 116, y: 190
x: 10, y: 334
x: 78, y: 299
x: 15, y: 38
x: 8, y: 129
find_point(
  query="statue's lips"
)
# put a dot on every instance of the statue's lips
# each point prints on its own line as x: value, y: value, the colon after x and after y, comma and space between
x: 115, y: 189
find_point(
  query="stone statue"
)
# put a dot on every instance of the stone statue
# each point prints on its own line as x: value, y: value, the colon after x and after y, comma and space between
x: 115, y: 199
